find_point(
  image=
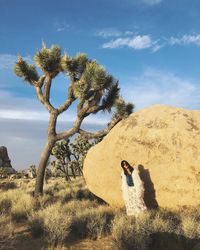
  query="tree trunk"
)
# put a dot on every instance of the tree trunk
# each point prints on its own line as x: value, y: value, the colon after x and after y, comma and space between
x: 67, y: 178
x: 42, y: 166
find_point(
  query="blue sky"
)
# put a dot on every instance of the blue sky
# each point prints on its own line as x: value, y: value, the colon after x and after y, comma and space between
x: 151, y: 46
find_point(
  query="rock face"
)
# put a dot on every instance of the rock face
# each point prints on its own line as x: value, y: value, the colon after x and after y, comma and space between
x: 165, y: 141
x: 5, y: 161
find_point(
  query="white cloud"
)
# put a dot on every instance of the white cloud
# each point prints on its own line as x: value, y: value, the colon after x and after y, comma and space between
x: 159, y: 87
x: 21, y: 108
x: 151, y: 2
x: 24, y: 114
x: 113, y: 32
x: 136, y: 42
x: 7, y: 61
x: 109, y: 32
x: 185, y: 40
x: 139, y: 42
x: 61, y: 25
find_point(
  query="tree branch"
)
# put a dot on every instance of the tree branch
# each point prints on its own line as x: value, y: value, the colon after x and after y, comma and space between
x: 40, y: 82
x: 94, y: 109
x: 68, y: 101
x: 71, y: 131
x: 80, y: 105
x: 100, y: 133
x: 47, y: 87
x: 40, y: 97
x: 52, y: 123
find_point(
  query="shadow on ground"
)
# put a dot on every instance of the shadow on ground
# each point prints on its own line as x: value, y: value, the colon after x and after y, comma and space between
x: 170, y: 241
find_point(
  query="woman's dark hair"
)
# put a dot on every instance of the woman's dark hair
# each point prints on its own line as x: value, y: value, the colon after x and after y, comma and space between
x: 129, y: 167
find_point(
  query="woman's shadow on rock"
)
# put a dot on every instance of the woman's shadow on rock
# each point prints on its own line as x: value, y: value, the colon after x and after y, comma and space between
x: 149, y: 192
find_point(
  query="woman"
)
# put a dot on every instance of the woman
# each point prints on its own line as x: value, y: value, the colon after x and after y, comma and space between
x: 132, y: 189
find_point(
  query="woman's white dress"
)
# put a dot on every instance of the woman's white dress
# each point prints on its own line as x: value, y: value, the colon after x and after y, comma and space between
x: 133, y: 195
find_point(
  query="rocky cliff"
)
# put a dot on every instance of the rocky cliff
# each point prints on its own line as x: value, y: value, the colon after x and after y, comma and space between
x: 5, y: 160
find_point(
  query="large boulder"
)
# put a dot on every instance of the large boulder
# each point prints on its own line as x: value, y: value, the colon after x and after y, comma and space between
x: 165, y: 141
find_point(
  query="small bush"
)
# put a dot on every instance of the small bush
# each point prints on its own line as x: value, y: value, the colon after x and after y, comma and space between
x: 18, y: 216
x: 129, y: 234
x: 53, y: 222
x: 22, y: 206
x: 159, y: 224
x: 53, y: 189
x: 170, y: 221
x: 8, y: 185
x: 99, y: 222
x: 7, y: 238
x: 191, y: 227
x: 36, y: 225
x: 5, y: 206
x: 92, y: 223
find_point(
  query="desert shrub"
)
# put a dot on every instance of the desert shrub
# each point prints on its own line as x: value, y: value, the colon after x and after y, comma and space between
x: 7, y: 238
x: 53, y: 221
x: 171, y: 219
x: 162, y: 222
x: 36, y: 225
x: 18, y: 216
x: 22, y: 205
x: 76, y: 193
x: 191, y: 227
x: 99, y: 222
x: 52, y: 189
x: 92, y: 223
x: 7, y: 185
x: 129, y: 233
x: 82, y: 193
x: 76, y: 207
x: 190, y: 221
x: 5, y: 206
x: 73, y: 193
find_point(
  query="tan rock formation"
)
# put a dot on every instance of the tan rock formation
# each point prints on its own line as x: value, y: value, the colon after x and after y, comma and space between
x: 166, y: 142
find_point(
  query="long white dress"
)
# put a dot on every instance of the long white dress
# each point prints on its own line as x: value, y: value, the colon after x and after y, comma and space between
x: 133, y: 195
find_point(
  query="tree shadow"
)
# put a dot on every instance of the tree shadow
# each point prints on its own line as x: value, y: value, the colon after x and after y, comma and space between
x: 169, y: 241
x: 149, y: 192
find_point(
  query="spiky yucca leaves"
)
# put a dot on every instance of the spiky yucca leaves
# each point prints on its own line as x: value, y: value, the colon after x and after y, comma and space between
x: 110, y: 97
x: 49, y: 60
x: 26, y: 71
x: 94, y: 83
x: 122, y: 109
x: 74, y: 67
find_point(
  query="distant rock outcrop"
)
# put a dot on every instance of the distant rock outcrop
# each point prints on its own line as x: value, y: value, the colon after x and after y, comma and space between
x: 5, y: 161
x: 165, y: 141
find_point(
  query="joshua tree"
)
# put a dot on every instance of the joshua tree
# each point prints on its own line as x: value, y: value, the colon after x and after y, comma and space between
x: 62, y: 153
x: 89, y: 85
x: 70, y: 156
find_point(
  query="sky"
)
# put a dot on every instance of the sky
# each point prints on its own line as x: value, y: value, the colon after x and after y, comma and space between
x: 151, y: 46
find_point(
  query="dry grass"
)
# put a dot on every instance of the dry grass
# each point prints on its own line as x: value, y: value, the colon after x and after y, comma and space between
x: 138, y: 232
x: 53, y: 221
x: 93, y: 222
x: 7, y: 238
x: 129, y: 234
x: 69, y: 211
